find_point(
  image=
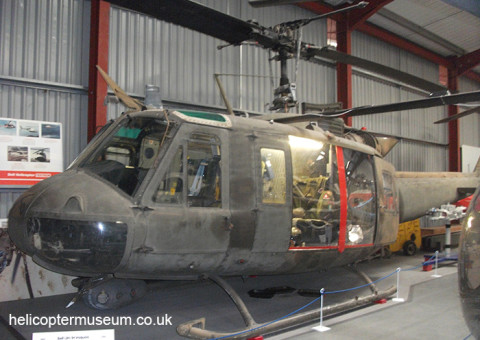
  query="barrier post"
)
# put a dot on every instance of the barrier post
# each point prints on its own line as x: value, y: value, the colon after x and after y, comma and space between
x: 398, y: 298
x: 436, y: 265
x: 321, y: 327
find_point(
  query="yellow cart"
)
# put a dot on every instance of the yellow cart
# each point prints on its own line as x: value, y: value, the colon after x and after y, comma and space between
x: 409, y: 238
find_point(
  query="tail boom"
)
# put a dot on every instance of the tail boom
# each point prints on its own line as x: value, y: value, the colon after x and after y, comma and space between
x: 421, y: 191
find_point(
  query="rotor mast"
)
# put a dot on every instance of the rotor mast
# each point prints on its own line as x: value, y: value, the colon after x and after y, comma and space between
x: 285, y: 94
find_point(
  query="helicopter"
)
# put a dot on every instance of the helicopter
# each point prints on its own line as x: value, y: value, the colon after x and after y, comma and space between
x: 40, y: 155
x: 166, y: 194
x: 468, y: 265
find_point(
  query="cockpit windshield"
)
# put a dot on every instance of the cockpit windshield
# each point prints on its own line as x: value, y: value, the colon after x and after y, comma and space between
x: 128, y: 152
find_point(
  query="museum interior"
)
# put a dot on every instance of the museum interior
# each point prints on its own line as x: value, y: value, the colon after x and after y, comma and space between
x: 239, y: 169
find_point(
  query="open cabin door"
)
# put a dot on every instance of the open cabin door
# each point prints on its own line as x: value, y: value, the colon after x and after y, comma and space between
x: 334, y: 197
x: 316, y: 195
x: 387, y: 203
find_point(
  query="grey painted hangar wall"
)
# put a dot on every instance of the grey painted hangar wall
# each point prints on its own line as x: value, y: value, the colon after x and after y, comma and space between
x: 44, y: 70
x: 44, y: 73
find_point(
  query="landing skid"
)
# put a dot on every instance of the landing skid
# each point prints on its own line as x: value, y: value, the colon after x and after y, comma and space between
x: 195, y: 329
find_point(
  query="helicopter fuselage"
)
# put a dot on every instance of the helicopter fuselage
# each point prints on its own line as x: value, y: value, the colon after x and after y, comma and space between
x: 173, y: 195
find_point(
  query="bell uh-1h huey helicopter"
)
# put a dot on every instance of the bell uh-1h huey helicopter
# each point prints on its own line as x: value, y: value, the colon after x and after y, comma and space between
x: 178, y: 194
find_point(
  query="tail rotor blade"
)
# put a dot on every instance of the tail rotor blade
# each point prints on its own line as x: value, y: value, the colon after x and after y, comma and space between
x: 458, y: 115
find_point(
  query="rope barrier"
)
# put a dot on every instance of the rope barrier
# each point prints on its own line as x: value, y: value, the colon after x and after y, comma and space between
x: 323, y: 292
x: 269, y: 323
x: 362, y: 286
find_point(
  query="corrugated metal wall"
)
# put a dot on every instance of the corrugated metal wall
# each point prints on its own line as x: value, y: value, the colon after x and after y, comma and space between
x: 415, y: 124
x: 44, y: 69
x: 470, y: 125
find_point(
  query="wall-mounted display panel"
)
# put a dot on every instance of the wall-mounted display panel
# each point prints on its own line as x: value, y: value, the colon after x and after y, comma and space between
x: 30, y: 151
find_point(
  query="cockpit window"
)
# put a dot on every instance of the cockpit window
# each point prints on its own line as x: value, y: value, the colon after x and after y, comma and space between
x: 201, y: 179
x: 128, y: 153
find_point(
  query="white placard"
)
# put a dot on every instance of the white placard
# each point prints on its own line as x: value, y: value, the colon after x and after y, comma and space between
x: 30, y: 151
x: 470, y: 156
x: 99, y: 334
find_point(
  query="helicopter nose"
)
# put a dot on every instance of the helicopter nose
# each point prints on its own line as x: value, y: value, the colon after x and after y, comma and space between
x: 72, y: 223
x: 16, y: 217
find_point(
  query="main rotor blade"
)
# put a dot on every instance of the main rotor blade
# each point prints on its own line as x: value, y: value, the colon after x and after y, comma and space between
x: 371, y: 109
x: 206, y: 20
x: 294, y: 24
x: 450, y: 99
x: 407, y: 78
x: 193, y: 15
x: 458, y: 115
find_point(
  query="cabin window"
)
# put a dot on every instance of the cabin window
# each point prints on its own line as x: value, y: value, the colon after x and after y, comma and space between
x: 273, y: 176
x: 171, y: 187
x: 361, y: 201
x: 316, y: 196
x: 204, y: 171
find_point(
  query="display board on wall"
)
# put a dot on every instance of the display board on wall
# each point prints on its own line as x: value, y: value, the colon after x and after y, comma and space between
x: 470, y: 157
x: 30, y: 151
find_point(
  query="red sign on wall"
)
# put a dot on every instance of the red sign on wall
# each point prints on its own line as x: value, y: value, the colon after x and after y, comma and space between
x: 21, y: 178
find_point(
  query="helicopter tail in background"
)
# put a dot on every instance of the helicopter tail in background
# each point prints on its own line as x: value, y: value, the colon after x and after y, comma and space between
x: 421, y: 191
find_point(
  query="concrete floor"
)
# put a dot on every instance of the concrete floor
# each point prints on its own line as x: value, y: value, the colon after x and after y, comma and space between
x: 431, y: 309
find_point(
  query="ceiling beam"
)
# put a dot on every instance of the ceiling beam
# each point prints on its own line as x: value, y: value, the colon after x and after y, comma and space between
x: 355, y: 18
x: 464, y: 65
x: 360, y: 16
x: 468, y: 61
x: 472, y: 75
x: 383, y: 35
x: 320, y: 8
